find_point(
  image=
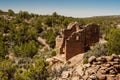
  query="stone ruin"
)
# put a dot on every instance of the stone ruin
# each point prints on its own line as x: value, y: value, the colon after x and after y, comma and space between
x: 76, y: 39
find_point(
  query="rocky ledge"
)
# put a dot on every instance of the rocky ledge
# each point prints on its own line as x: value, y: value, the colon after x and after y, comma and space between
x: 101, y: 68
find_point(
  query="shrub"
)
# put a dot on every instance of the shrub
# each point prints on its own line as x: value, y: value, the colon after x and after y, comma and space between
x: 10, y: 12
x: 114, y: 42
x: 7, y: 70
x: 27, y: 49
x: 58, y: 72
x: 98, y: 50
x: 85, y: 61
x: 50, y: 37
x: 53, y: 53
x: 3, y: 49
x: 37, y: 70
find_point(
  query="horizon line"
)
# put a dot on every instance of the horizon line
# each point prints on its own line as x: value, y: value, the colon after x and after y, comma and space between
x: 49, y: 14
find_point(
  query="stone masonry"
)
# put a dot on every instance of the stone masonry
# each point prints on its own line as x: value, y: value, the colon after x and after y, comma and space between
x: 76, y: 39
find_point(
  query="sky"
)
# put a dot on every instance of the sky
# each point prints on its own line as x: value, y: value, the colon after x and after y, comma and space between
x: 71, y: 8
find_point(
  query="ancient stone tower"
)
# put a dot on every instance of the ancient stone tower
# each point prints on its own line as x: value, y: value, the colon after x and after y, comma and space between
x: 76, y: 39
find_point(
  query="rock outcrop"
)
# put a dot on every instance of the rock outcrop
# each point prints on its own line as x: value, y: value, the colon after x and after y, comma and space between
x: 101, y: 68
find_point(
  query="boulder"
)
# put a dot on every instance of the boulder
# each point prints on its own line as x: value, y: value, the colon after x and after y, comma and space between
x: 93, y: 77
x: 119, y: 56
x: 117, y: 66
x: 101, y: 77
x: 86, y: 66
x: 103, y: 70
x: 107, y: 64
x: 109, y: 58
x: 118, y: 76
x: 96, y: 68
x: 114, y: 63
x: 76, y: 78
x: 91, y: 59
x: 101, y: 59
x: 114, y: 56
x: 98, y: 63
x: 65, y: 74
x: 85, y: 77
x: 80, y: 70
x: 113, y: 71
x: 117, y: 60
x: 91, y: 71
x: 111, y: 77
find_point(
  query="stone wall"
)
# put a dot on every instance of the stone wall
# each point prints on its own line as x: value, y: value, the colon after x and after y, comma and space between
x: 74, y: 45
x: 75, y: 39
x: 92, y: 34
x: 59, y: 44
x: 67, y: 32
x: 59, y: 41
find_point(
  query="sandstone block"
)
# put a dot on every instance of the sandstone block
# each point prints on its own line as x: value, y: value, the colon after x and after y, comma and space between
x: 111, y: 77
x: 118, y: 76
x: 91, y: 59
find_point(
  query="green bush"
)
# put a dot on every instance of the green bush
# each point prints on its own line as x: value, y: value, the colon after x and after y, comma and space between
x: 50, y: 37
x: 85, y: 61
x: 98, y: 50
x: 3, y: 49
x: 53, y: 53
x: 7, y: 70
x: 37, y: 71
x: 114, y: 42
x: 11, y: 12
x: 27, y: 49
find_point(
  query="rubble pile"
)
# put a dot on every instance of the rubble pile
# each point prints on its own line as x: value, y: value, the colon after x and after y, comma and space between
x: 101, y: 68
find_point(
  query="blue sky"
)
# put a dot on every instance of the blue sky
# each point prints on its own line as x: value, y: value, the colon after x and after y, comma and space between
x: 74, y: 8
